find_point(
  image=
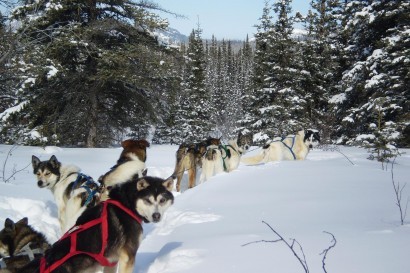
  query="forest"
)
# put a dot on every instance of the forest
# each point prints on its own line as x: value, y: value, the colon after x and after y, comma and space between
x: 91, y: 73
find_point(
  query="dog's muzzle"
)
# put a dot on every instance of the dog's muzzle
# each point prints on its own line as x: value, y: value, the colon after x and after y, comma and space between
x: 41, y: 184
x: 156, y: 217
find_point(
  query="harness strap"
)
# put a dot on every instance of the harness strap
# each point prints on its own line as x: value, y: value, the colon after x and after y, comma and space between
x: 72, y: 233
x: 290, y: 148
x: 2, y: 264
x: 26, y: 250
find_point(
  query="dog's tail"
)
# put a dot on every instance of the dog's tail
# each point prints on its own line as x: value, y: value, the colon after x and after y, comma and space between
x: 253, y: 160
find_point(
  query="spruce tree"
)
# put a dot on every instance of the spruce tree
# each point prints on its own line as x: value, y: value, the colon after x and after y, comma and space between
x: 193, y: 122
x: 376, y: 78
x: 93, y: 69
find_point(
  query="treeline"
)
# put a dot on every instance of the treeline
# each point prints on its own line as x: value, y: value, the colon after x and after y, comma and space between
x: 90, y: 73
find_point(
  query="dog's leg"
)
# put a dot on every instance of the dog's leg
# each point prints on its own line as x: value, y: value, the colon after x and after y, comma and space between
x: 191, y: 177
x: 179, y: 178
x: 126, y: 262
x: 206, y: 171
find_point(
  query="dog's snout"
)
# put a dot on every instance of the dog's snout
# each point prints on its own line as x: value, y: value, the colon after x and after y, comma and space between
x: 156, y: 216
x: 40, y: 183
x: 310, y: 146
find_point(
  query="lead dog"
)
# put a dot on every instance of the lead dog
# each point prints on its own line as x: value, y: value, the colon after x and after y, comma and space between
x: 72, y: 190
x: 292, y: 147
x: 130, y: 165
x: 20, y: 244
x: 110, y: 232
x: 225, y: 157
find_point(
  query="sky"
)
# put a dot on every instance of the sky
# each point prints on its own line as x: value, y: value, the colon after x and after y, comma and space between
x: 217, y: 226
x: 226, y: 19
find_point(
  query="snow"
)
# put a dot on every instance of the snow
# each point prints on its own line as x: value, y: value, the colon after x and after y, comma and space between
x: 5, y: 115
x: 217, y: 226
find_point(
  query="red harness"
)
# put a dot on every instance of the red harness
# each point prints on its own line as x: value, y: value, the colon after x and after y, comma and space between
x: 72, y: 233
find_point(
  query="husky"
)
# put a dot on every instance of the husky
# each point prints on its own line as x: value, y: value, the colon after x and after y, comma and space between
x: 110, y: 232
x: 73, y: 191
x: 225, y: 157
x: 20, y: 244
x: 212, y: 163
x: 189, y: 158
x: 130, y: 165
x: 292, y: 147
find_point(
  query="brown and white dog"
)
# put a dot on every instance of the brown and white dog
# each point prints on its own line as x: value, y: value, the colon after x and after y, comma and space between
x: 130, y: 165
x: 189, y: 158
x: 292, y: 147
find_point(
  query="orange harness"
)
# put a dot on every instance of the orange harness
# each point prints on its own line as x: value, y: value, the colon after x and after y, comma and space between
x: 72, y: 233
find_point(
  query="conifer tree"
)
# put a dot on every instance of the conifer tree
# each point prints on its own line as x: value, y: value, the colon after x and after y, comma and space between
x: 93, y: 69
x: 377, y: 58
x: 276, y: 97
x: 193, y: 122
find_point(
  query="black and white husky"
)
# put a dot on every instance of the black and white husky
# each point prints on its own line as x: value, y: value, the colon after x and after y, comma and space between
x: 292, y: 147
x: 108, y: 235
x: 224, y: 157
x: 72, y: 190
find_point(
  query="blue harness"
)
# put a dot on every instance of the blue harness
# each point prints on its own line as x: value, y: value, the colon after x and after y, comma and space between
x: 88, y: 185
x: 287, y: 146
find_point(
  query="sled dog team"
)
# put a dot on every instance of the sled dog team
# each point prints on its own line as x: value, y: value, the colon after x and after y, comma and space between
x: 102, y: 221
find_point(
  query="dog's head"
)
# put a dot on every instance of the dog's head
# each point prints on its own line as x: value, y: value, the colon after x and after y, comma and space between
x: 8, y: 234
x: 131, y: 148
x: 311, y: 138
x: 244, y: 141
x: 154, y: 197
x: 47, y: 172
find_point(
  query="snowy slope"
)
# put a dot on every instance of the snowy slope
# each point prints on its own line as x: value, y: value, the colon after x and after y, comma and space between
x: 209, y: 227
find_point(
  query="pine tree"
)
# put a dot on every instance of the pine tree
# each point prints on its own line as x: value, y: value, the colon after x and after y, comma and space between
x: 321, y: 71
x: 94, y: 68
x: 193, y: 122
x: 276, y: 97
x: 377, y: 72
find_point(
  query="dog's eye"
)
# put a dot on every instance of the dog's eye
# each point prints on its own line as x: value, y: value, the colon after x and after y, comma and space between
x: 48, y: 173
x: 147, y: 201
x: 162, y: 201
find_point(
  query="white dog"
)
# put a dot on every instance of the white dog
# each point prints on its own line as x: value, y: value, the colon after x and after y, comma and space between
x: 224, y: 157
x: 292, y: 147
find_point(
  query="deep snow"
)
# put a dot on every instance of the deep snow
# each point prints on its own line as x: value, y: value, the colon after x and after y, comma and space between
x: 208, y: 227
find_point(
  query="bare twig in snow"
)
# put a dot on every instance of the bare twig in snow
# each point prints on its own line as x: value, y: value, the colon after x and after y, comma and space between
x: 324, y: 253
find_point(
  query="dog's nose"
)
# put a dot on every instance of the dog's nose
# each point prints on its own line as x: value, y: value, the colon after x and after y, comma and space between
x: 40, y: 183
x: 311, y: 146
x: 156, y: 216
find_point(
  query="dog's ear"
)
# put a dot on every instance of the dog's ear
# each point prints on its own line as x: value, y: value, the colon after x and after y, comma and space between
x: 9, y: 225
x: 144, y: 172
x: 35, y: 161
x: 169, y: 183
x: 54, y: 162
x: 145, y: 143
x: 23, y: 221
x: 142, y: 184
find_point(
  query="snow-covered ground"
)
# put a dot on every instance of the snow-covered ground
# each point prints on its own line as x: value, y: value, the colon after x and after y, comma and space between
x: 209, y: 227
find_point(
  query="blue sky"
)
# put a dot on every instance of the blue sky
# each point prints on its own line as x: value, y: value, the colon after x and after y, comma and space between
x: 229, y: 19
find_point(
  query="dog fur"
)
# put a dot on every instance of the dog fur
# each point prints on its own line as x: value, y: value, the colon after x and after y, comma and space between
x: 20, y: 244
x: 71, y: 198
x: 293, y: 147
x: 225, y: 157
x: 147, y: 197
x: 130, y: 165
x: 189, y: 158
